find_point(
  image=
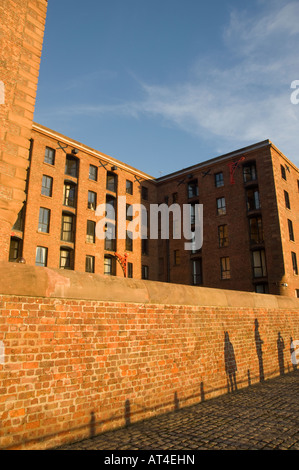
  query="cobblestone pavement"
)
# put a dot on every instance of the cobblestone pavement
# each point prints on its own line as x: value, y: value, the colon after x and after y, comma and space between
x: 263, y: 416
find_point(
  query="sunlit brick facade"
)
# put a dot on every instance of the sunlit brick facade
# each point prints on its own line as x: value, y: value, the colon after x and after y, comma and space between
x: 250, y: 201
x: 57, y: 227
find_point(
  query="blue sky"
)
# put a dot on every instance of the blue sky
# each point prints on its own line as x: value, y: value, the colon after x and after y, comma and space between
x: 165, y: 84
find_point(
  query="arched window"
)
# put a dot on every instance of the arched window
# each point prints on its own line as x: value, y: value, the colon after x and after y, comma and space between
x: 109, y: 265
x: 69, y: 194
x: 15, y: 250
x: 72, y: 166
x: 66, y: 258
x: 68, y: 227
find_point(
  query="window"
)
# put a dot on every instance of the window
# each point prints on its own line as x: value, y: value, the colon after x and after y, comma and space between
x: 109, y: 265
x: 287, y: 200
x: 130, y: 270
x: 283, y: 172
x: 291, y: 230
x: 15, y: 250
x: 144, y: 246
x: 44, y: 220
x: 219, y: 180
x: 192, y: 189
x: 66, y: 258
x: 145, y: 271
x: 92, y: 200
x: 294, y: 263
x: 261, y: 288
x: 129, y: 212
x: 253, y: 199
x: 249, y: 172
x: 193, y: 207
x: 197, y: 272
x: 259, y: 263
x: 225, y: 268
x: 91, y: 231
x: 49, y: 156
x: 89, y: 264
x: 93, y: 173
x: 71, y: 166
x: 297, y: 293
x: 41, y: 257
x: 129, y: 187
x: 19, y: 223
x: 256, y: 230
x: 129, y: 241
x: 223, y: 235
x: 144, y: 193
x: 110, y: 241
x: 68, y: 227
x: 47, y: 183
x: 221, y: 207
x: 111, y: 183
x: 69, y: 194
x: 110, y: 207
x: 175, y: 198
x: 177, y: 257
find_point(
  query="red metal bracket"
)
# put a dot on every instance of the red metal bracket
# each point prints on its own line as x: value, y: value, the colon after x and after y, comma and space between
x: 122, y: 261
x: 232, y: 168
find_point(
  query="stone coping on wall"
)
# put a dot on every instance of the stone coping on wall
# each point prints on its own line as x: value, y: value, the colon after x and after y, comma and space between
x: 24, y: 280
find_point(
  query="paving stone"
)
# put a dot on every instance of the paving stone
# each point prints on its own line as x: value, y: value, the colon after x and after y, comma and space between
x: 263, y: 416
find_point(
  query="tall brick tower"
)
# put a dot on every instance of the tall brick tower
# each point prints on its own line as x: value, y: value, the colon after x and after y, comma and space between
x: 21, y: 37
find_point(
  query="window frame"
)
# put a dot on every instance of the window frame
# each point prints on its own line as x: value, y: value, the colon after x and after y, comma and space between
x: 225, y: 268
x: 223, y: 235
x: 41, y: 249
x: 92, y: 205
x: 47, y: 190
x: 90, y: 231
x: 93, y: 173
x: 219, y: 179
x: 129, y: 187
x: 71, y: 166
x: 112, y: 187
x: 262, y: 266
x: 71, y: 232
x: 90, y: 267
x: 221, y: 209
x: 47, y: 159
x: 41, y: 220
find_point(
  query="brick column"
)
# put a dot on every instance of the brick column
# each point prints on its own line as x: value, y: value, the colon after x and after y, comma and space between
x: 21, y: 38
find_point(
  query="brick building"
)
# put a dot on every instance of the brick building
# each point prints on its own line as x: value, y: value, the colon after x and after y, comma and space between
x: 66, y: 183
x: 250, y: 217
x: 250, y: 203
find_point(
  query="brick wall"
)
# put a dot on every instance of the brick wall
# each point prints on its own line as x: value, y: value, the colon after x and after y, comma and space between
x: 84, y: 354
x: 22, y: 30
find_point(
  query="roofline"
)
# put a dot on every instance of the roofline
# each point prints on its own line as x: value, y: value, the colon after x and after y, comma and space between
x: 218, y: 159
x: 60, y: 137
x: 250, y: 148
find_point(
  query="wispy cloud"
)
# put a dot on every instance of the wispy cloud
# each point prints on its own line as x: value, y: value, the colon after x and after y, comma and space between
x: 244, y: 102
x: 250, y: 100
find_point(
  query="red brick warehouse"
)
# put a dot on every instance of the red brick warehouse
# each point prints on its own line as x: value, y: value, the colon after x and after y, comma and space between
x: 250, y: 223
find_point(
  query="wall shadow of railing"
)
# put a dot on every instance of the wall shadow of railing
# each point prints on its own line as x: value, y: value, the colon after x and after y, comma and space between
x: 128, y: 417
